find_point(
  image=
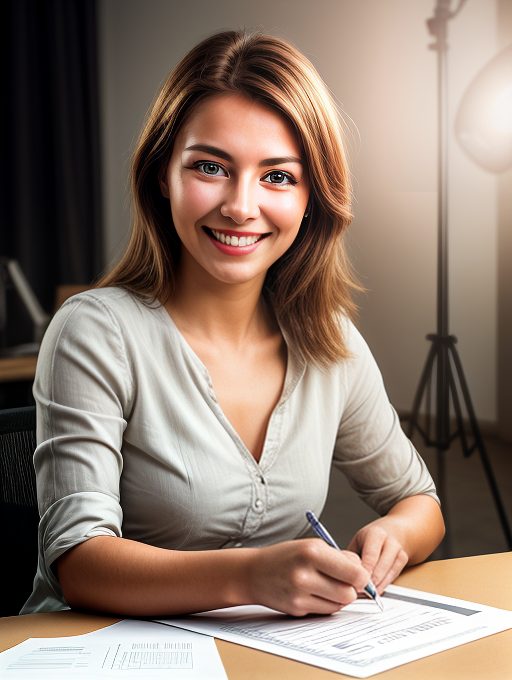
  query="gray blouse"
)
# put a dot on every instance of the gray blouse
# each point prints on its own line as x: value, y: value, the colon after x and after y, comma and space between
x: 133, y: 443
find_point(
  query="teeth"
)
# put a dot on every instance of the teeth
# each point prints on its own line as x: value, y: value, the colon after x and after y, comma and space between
x: 239, y: 241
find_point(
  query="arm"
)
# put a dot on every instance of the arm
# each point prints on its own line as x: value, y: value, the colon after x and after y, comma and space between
x: 130, y: 578
x: 409, y: 532
x: 387, y: 472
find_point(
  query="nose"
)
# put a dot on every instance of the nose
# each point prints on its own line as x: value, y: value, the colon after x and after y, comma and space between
x: 241, y: 201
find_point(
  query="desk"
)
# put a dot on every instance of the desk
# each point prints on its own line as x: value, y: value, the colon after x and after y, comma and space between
x: 485, y: 578
x: 13, y: 369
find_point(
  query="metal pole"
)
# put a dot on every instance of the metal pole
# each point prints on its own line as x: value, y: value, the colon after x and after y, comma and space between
x: 438, y: 27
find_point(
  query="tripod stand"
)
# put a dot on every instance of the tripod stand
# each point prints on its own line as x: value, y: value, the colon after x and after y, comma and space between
x: 450, y: 382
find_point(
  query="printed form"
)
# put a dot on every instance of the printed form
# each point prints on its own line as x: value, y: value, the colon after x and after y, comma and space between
x: 128, y: 649
x: 360, y: 640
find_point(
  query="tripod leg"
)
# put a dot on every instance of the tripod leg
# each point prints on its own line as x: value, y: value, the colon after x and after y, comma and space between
x: 422, y: 385
x: 461, y: 430
x: 481, y: 447
x: 445, y: 549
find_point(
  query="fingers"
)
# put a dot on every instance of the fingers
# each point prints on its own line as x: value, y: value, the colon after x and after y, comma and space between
x: 340, y: 565
x: 384, y: 558
x: 333, y: 575
x: 317, y: 594
x: 372, y: 549
x: 381, y: 554
x: 393, y: 560
x: 308, y: 576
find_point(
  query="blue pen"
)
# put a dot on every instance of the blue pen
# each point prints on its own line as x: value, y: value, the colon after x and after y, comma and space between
x: 322, y: 532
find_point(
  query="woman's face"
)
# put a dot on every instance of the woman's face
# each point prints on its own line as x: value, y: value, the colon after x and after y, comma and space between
x: 238, y: 188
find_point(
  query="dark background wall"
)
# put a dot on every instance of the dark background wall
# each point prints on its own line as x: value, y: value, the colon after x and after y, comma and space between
x: 50, y: 175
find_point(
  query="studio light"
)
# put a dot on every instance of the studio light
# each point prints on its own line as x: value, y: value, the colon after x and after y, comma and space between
x: 483, y: 126
x: 484, y: 129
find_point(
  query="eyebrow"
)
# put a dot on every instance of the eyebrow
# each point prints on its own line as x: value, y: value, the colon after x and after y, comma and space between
x: 215, y: 151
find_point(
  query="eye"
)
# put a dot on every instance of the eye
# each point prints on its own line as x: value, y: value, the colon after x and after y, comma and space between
x: 210, y: 168
x: 279, y: 177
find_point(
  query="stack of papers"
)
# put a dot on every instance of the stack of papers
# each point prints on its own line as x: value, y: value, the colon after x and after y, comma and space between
x: 129, y: 649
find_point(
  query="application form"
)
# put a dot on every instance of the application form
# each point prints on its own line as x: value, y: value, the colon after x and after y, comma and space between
x: 360, y: 640
x: 128, y: 649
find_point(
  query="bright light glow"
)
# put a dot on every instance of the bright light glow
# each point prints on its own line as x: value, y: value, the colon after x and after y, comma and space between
x: 484, y: 121
x: 501, y: 111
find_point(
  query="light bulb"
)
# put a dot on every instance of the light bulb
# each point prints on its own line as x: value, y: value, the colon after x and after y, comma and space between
x: 483, y: 125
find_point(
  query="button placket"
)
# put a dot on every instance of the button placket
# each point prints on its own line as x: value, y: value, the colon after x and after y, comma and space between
x: 258, y: 506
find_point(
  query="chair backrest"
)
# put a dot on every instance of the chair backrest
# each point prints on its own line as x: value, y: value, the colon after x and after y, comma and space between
x: 19, y: 516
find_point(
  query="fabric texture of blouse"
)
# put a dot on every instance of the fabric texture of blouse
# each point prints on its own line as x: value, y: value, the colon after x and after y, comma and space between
x: 132, y: 441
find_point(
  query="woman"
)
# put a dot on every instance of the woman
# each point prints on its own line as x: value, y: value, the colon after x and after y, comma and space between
x: 191, y: 406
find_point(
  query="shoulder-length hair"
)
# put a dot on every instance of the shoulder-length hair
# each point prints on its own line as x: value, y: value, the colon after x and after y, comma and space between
x: 311, y: 285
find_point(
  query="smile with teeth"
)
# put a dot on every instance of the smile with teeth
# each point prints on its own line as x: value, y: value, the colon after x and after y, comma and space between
x: 239, y: 241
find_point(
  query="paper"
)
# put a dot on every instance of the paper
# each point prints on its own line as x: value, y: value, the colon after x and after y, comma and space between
x: 359, y: 640
x: 128, y: 649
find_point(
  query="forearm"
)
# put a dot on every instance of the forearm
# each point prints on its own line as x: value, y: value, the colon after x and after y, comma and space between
x: 125, y: 577
x: 121, y: 576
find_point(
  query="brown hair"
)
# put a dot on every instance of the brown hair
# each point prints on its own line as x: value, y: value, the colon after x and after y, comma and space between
x: 311, y: 284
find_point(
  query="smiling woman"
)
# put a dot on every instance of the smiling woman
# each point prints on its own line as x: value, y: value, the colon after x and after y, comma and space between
x: 191, y: 407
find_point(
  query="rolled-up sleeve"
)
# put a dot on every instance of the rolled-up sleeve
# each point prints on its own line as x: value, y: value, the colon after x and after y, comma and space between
x: 372, y: 450
x: 83, y: 391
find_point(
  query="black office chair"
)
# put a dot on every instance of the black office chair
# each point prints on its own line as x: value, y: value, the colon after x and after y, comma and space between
x: 19, y: 516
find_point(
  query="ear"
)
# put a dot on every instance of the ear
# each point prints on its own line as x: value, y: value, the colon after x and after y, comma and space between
x: 162, y: 181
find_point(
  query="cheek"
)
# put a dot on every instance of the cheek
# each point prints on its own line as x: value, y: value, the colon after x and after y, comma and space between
x: 192, y: 199
x: 286, y: 212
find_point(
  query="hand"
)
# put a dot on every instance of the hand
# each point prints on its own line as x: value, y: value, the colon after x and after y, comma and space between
x: 382, y: 553
x: 305, y: 577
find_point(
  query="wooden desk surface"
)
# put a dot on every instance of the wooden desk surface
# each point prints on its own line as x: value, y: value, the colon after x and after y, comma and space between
x: 486, y: 579
x: 17, y: 368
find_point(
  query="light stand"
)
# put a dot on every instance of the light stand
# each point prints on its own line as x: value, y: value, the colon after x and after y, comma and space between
x: 450, y: 382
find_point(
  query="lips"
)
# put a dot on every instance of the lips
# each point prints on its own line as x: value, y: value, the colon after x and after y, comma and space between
x: 235, y: 239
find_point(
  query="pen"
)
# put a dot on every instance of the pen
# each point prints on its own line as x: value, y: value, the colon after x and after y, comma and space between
x: 322, y: 532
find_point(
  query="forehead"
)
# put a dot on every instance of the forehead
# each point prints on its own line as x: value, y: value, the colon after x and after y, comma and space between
x: 236, y: 122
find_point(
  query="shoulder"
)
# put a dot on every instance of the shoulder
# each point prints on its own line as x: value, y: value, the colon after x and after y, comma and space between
x: 353, y: 340
x: 85, y: 341
x: 355, y: 366
x: 360, y: 367
x: 114, y: 307
x: 99, y: 317
x: 111, y: 299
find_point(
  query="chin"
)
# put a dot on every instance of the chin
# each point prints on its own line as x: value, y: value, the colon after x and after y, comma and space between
x: 233, y: 278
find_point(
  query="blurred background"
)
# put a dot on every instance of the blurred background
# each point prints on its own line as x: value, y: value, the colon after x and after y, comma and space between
x: 79, y: 77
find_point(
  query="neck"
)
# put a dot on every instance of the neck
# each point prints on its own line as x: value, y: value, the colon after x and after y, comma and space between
x: 230, y: 314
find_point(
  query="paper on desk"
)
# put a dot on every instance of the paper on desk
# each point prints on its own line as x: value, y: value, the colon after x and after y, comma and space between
x: 359, y: 640
x: 129, y: 649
